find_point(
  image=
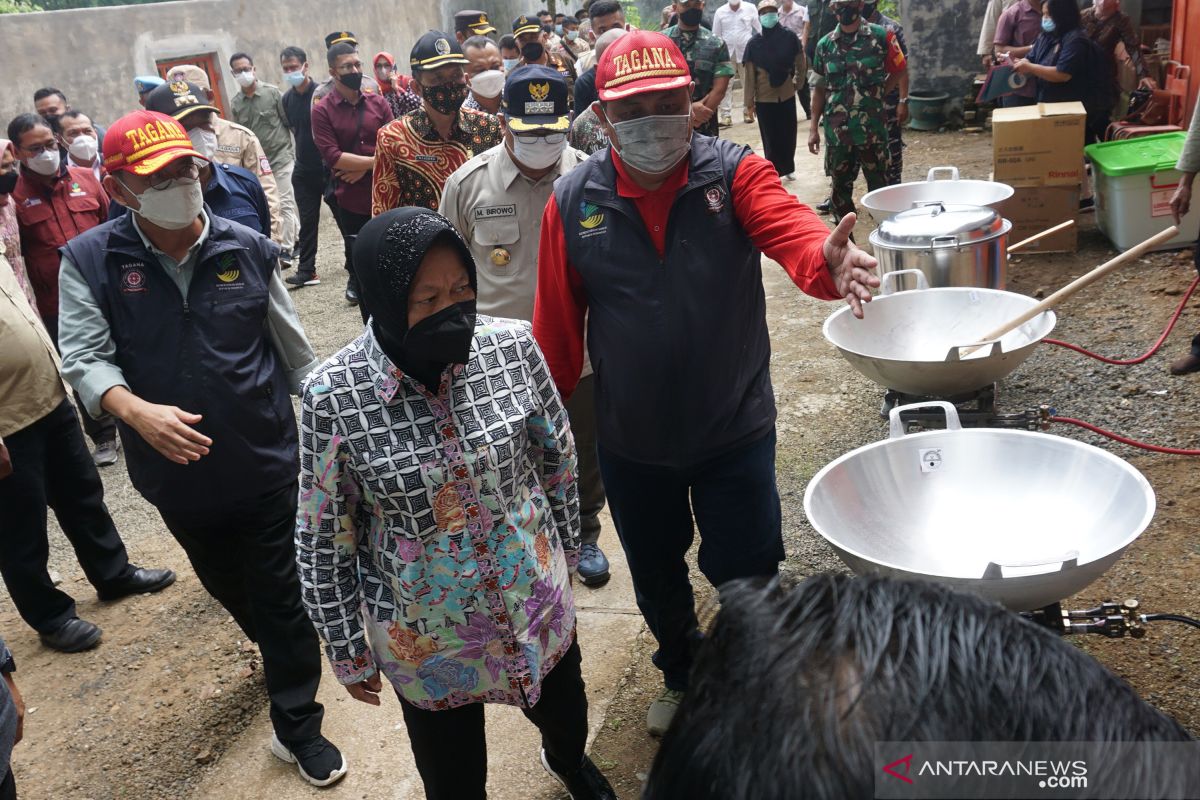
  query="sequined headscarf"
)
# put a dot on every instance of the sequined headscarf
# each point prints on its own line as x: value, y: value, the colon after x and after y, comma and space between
x: 387, y: 255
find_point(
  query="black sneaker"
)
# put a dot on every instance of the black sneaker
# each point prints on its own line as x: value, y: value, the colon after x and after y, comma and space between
x: 302, y: 279
x: 585, y: 783
x: 593, y: 565
x: 352, y: 291
x: 286, y: 260
x: 319, y: 762
x: 825, y: 206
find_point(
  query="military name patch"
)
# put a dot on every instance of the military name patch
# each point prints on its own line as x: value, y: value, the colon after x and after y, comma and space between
x: 495, y: 212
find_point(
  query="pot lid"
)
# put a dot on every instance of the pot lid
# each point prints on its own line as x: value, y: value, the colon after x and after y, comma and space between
x: 940, y: 224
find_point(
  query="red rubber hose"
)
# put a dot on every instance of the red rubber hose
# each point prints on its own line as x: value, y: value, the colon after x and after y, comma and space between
x: 1145, y: 356
x: 1174, y: 451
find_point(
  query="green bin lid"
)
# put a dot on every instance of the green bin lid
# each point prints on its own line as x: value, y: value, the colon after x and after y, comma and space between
x: 1141, y: 156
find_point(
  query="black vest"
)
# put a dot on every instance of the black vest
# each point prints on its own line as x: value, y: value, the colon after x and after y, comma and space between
x: 679, y: 345
x: 209, y: 354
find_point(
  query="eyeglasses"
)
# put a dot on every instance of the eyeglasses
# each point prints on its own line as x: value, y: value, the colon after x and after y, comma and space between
x: 182, y: 171
x: 548, y: 138
x: 38, y: 149
x: 346, y: 69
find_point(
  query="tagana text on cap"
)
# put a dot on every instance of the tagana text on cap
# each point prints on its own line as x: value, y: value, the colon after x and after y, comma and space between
x: 639, y: 62
x: 143, y: 142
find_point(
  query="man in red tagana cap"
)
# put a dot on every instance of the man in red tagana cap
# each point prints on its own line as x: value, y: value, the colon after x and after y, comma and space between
x: 177, y: 323
x: 656, y: 243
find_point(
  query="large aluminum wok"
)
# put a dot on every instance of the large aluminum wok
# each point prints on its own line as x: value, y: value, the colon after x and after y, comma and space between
x: 885, y: 203
x: 1026, y: 519
x: 917, y: 341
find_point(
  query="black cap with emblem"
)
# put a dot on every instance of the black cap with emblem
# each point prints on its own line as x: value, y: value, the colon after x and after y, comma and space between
x: 340, y: 36
x: 526, y: 24
x: 473, y: 23
x: 535, y: 98
x: 436, y: 49
x: 178, y: 99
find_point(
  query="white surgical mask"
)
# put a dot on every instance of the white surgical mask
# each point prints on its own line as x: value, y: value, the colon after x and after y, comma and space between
x: 203, y: 142
x: 44, y: 163
x: 655, y: 144
x: 540, y: 153
x: 294, y: 78
x: 174, y: 208
x: 511, y: 63
x: 245, y: 79
x: 488, y: 83
x: 84, y: 148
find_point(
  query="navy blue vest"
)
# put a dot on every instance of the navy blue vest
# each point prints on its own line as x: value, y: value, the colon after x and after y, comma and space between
x: 679, y: 345
x: 209, y: 354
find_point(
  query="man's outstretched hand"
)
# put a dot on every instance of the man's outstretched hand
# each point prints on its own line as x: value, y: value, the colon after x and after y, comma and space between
x: 852, y: 269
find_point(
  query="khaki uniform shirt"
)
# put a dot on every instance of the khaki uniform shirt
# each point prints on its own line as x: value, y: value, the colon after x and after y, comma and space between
x: 499, y: 212
x: 31, y: 385
x: 263, y: 113
x: 237, y: 145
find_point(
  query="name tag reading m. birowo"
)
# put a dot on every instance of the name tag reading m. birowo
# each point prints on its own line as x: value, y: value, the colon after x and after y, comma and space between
x: 495, y: 212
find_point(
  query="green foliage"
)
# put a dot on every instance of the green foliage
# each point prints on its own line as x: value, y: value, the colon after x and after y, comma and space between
x: 890, y: 8
x: 18, y: 6
x: 633, y: 14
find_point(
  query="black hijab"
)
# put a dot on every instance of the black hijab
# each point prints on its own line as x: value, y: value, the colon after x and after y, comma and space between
x: 775, y: 50
x: 387, y: 254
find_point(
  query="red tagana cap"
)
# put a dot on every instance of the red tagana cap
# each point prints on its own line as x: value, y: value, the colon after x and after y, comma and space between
x: 638, y: 62
x: 144, y: 142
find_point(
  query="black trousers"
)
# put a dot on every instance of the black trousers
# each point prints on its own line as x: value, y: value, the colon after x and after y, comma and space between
x: 244, y: 557
x: 98, y: 430
x: 451, y: 750
x: 53, y: 468
x: 309, y: 186
x: 8, y: 788
x: 777, y: 124
x: 350, y: 223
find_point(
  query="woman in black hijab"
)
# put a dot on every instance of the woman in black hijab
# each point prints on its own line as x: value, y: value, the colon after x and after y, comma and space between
x: 772, y: 60
x: 439, y: 517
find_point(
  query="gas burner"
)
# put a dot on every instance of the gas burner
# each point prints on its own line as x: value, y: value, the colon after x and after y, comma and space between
x: 975, y: 410
x: 1113, y: 620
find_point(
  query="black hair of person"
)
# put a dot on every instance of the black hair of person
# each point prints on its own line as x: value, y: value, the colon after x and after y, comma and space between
x: 478, y: 42
x: 795, y: 684
x: 24, y: 123
x: 570, y: 21
x: 239, y: 55
x: 1065, y: 14
x: 338, y: 50
x: 58, y: 124
x: 47, y: 91
x: 294, y: 52
x: 602, y: 8
x: 508, y: 42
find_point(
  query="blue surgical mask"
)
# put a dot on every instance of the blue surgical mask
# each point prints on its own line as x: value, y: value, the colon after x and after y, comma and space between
x: 510, y: 63
x: 768, y: 20
x: 1047, y: 25
x: 294, y: 78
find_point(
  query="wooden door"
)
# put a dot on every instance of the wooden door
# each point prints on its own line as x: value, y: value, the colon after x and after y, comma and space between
x: 1185, y: 42
x: 211, y: 66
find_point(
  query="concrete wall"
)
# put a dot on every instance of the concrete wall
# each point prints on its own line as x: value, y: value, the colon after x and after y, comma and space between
x: 942, y: 37
x: 92, y: 54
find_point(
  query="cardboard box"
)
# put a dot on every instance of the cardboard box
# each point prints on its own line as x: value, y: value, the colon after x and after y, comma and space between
x: 1039, y: 145
x: 1033, y: 209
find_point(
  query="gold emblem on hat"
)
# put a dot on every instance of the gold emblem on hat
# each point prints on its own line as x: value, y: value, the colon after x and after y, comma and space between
x: 442, y: 47
x: 501, y: 257
x: 539, y: 91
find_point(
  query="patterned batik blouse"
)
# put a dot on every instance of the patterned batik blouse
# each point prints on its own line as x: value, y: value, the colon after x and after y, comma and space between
x: 436, y: 535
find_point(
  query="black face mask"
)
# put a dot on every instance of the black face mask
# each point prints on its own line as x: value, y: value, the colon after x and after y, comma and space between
x: 446, y: 98
x: 691, y: 16
x: 444, y: 337
x: 532, y: 52
x: 8, y: 181
x: 868, y: 10
x: 848, y: 15
x: 353, y: 81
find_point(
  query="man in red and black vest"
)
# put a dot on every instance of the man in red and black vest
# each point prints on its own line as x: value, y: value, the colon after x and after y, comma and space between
x: 656, y: 244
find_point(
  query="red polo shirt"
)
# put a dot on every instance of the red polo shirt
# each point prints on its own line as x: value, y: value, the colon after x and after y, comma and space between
x: 341, y: 127
x: 49, y: 217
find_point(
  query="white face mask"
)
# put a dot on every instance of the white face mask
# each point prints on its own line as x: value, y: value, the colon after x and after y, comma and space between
x: 174, y: 208
x: 84, y: 148
x: 541, y: 153
x: 203, y: 142
x: 44, y: 163
x: 245, y: 79
x: 488, y: 83
x: 655, y: 144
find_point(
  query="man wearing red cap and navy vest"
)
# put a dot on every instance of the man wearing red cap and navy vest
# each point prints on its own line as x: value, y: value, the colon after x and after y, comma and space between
x: 179, y: 325
x: 656, y: 243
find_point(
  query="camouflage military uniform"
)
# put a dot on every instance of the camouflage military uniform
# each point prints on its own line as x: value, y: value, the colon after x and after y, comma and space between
x: 891, y: 105
x: 707, y: 57
x: 852, y: 69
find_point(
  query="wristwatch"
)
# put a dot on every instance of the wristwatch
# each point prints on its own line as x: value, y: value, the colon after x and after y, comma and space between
x: 904, y: 100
